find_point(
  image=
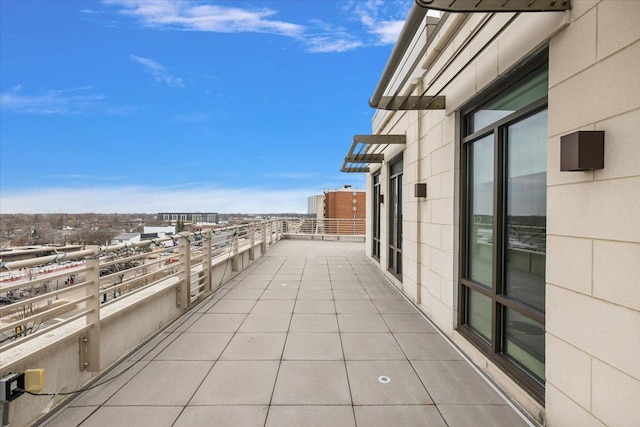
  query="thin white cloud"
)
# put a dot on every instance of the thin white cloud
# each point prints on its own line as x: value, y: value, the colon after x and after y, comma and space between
x: 139, y: 199
x: 381, y: 19
x: 193, y: 117
x: 68, y: 101
x: 191, y: 16
x: 323, y: 37
x: 158, y: 71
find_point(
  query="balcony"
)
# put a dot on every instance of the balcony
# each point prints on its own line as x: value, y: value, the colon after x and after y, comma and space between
x: 252, y: 326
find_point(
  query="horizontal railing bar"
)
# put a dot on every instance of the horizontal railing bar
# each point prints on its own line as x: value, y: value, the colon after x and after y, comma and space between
x: 47, y: 329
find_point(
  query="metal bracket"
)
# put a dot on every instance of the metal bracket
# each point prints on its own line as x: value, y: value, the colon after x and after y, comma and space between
x: 84, y: 352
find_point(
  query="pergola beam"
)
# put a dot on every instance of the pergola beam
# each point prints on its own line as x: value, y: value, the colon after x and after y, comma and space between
x: 364, y: 158
x: 395, y: 103
x: 380, y: 139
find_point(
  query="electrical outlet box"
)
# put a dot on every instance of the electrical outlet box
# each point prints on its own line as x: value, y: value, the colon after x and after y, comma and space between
x: 11, y: 387
x: 34, y: 380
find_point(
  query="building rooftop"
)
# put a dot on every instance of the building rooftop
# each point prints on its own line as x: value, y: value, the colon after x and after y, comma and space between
x: 310, y: 334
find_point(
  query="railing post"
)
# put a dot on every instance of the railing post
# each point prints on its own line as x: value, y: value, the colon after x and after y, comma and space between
x: 183, y: 290
x: 207, y: 253
x: 263, y: 241
x: 90, y: 341
x: 234, y: 246
x: 252, y: 242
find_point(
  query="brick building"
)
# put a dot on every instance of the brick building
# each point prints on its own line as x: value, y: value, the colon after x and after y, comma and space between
x: 348, y: 207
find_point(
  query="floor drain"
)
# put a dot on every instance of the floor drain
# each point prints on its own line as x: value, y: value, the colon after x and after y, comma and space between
x: 384, y: 379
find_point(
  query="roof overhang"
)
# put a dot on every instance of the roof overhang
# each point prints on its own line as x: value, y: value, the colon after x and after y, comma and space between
x: 367, y: 149
x: 496, y: 5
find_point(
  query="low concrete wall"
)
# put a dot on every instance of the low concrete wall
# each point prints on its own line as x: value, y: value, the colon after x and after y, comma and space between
x: 124, y: 326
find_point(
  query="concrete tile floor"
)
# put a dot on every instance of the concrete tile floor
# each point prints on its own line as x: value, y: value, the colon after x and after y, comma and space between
x: 300, y: 338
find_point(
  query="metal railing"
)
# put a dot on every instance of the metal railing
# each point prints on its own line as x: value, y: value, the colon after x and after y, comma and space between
x: 66, y: 293
x: 77, y: 314
x: 50, y: 295
x: 331, y: 226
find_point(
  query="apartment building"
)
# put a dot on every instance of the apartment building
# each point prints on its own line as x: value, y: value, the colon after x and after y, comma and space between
x: 210, y: 217
x: 345, y: 203
x: 503, y: 181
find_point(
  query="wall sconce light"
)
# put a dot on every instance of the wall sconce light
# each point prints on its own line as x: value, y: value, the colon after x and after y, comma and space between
x: 381, y: 198
x: 420, y: 189
x: 582, y: 151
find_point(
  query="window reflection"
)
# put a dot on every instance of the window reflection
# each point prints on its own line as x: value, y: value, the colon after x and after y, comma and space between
x: 481, y: 202
x: 524, y: 342
x: 527, y: 210
x: 511, y: 101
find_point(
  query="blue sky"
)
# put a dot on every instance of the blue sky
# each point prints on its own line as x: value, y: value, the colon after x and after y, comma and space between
x: 148, y: 106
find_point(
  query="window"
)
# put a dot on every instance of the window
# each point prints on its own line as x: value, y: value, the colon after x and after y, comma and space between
x: 375, y: 252
x: 504, y: 192
x: 395, y: 218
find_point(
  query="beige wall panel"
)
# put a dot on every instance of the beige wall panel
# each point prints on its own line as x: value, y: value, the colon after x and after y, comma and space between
x: 442, y: 211
x: 569, y: 369
x: 448, y: 293
x: 573, y: 49
x: 443, y: 316
x: 616, y: 396
x: 606, y: 210
x: 449, y: 239
x: 495, y: 24
x: 528, y: 32
x: 580, y: 7
x: 461, y: 90
x: 621, y: 15
x: 598, y: 93
x: 434, y: 187
x: 425, y: 166
x: 569, y: 263
x: 443, y: 159
x: 450, y: 183
x: 600, y: 328
x: 621, y: 153
x: 433, y: 139
x: 487, y: 67
x: 442, y: 263
x: 564, y: 412
x: 616, y: 272
x: 430, y: 234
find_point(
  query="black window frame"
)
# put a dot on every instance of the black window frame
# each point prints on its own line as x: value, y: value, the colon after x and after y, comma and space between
x: 376, y: 192
x: 500, y: 302
x: 394, y: 196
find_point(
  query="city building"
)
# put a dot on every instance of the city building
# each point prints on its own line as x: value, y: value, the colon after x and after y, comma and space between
x: 503, y: 180
x: 193, y: 217
x: 345, y: 203
x: 344, y: 211
x: 125, y: 238
x: 315, y: 205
